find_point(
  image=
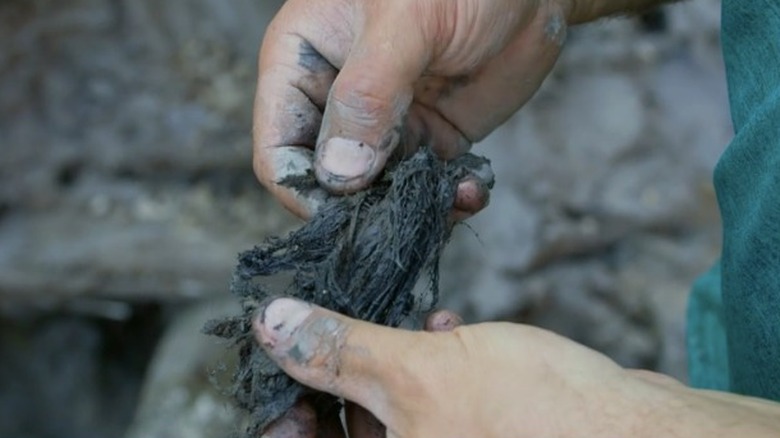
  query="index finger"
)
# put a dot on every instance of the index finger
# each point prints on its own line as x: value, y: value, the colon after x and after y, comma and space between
x: 293, y: 83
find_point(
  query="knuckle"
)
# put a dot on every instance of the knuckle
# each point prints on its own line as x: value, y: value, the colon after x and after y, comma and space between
x: 361, y: 101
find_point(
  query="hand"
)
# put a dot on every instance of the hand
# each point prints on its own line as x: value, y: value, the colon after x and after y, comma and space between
x: 346, y: 84
x: 494, y: 380
x: 301, y: 421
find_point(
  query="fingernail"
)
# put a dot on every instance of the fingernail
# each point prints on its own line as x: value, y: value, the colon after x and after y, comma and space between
x: 280, y: 319
x: 346, y: 159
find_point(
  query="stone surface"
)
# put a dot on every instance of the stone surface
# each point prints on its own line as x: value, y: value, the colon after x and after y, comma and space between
x: 185, y: 394
x: 126, y: 151
x: 73, y: 374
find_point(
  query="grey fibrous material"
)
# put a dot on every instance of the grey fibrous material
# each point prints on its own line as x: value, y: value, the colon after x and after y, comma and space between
x: 360, y: 255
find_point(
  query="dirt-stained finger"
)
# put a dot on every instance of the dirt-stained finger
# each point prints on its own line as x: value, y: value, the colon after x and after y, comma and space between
x: 281, y: 170
x: 285, y: 130
x: 472, y: 197
x: 333, y: 353
x: 369, y: 101
x: 294, y: 79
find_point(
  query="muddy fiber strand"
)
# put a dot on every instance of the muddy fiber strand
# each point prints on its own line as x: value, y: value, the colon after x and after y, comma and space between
x: 360, y: 255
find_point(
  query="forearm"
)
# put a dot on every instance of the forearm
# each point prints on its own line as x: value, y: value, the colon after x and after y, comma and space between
x: 583, y: 11
x: 679, y: 411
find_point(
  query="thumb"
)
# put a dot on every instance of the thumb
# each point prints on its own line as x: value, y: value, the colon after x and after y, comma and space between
x: 368, y: 102
x: 329, y: 352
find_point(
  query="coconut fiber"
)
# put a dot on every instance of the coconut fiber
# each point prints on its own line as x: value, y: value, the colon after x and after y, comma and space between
x: 360, y: 255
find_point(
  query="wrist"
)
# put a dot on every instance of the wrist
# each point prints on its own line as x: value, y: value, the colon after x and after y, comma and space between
x: 662, y: 407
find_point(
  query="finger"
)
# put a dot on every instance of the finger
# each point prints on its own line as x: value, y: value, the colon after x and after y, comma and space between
x: 472, y: 197
x: 293, y: 83
x: 299, y: 422
x: 370, y: 98
x: 473, y: 192
x: 442, y: 321
x: 336, y: 354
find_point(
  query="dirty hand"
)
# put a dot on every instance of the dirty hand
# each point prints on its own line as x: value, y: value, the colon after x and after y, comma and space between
x: 492, y: 380
x: 346, y: 84
x: 301, y: 420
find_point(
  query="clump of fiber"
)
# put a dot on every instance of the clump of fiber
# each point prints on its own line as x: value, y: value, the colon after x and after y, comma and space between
x: 360, y: 255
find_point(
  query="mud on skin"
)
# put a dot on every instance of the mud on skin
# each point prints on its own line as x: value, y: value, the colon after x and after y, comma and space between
x: 379, y: 240
x: 311, y: 59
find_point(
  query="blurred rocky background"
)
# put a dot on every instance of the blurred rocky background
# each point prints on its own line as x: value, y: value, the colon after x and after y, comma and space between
x: 126, y: 191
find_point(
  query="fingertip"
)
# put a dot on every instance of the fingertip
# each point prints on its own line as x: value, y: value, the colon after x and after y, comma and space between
x: 472, y: 196
x: 287, y: 173
x: 277, y: 321
x: 310, y: 344
x: 364, y: 116
x: 330, y: 352
x: 443, y: 321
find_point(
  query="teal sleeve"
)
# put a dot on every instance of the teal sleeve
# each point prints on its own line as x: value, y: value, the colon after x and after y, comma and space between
x: 747, y: 182
x: 708, y: 365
